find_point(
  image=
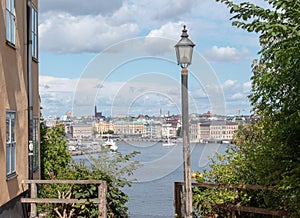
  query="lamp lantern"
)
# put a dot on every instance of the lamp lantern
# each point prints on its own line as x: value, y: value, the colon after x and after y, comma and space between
x: 184, y: 49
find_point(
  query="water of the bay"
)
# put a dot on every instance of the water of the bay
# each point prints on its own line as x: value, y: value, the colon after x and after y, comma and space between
x: 152, y: 195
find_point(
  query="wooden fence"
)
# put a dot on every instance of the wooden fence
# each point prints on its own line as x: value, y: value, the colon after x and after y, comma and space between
x: 178, y: 199
x: 34, y: 200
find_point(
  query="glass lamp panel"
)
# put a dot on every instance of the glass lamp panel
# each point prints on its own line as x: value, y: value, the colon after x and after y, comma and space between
x: 185, y: 54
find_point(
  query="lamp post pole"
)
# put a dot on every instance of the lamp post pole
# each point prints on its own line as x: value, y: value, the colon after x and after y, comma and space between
x: 184, y: 51
x: 186, y: 143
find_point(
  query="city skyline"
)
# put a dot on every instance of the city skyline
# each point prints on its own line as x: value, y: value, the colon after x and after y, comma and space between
x: 120, y: 56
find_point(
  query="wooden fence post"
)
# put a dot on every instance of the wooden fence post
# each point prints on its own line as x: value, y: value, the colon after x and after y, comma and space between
x: 178, y: 199
x: 33, y: 195
x: 34, y: 200
x: 102, y: 191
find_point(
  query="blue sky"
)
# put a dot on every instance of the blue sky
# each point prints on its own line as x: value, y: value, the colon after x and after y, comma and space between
x: 119, y: 55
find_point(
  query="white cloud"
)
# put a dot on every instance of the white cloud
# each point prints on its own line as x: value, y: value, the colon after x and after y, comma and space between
x: 53, y: 84
x: 79, y: 7
x: 73, y: 26
x: 231, y: 85
x: 237, y: 96
x: 155, y: 41
x: 175, y: 9
x: 168, y: 30
x: 60, y: 95
x: 247, y: 87
x: 63, y: 32
x: 225, y: 54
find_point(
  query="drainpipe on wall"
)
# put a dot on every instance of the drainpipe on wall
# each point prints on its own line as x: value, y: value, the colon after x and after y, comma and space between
x: 30, y: 91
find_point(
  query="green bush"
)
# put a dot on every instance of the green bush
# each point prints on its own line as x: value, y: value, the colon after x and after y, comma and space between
x: 114, y: 168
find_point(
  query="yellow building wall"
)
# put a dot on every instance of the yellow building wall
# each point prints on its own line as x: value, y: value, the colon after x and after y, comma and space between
x: 102, y: 127
x: 13, y: 88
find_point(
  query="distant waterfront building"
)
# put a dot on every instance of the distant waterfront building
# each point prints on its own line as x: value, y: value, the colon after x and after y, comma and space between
x: 103, y: 127
x: 80, y: 131
x: 155, y: 128
x: 212, y: 130
x: 129, y: 128
x: 152, y: 130
x: 168, y: 130
x: 68, y: 127
x: 204, y: 130
x: 194, y: 137
x: 222, y: 130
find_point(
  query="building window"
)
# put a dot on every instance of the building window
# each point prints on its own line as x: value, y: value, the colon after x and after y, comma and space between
x: 10, y: 21
x: 10, y: 143
x: 35, y: 143
x: 34, y: 33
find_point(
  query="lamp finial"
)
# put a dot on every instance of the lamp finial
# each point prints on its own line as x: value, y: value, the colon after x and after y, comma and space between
x: 184, y: 32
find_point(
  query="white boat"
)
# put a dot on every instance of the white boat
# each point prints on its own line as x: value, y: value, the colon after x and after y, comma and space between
x: 111, y: 144
x: 71, y: 148
x: 169, y: 143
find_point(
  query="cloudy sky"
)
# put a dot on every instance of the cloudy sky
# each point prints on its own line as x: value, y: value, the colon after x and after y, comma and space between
x: 119, y: 55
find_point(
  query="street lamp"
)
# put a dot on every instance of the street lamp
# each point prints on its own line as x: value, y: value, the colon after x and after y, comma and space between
x: 184, y: 52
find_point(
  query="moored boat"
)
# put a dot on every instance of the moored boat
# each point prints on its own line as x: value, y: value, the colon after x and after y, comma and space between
x: 111, y: 144
x: 169, y: 143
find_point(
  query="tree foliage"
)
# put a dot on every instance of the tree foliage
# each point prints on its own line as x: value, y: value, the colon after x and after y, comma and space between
x: 54, y: 158
x: 114, y: 168
x: 268, y: 151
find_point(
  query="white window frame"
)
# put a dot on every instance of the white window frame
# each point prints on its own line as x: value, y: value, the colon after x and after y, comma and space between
x: 34, y: 32
x: 35, y: 142
x: 10, y: 143
x: 10, y: 21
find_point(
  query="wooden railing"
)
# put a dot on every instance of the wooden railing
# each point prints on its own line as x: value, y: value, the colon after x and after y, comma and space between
x: 178, y: 199
x: 34, y: 200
